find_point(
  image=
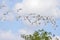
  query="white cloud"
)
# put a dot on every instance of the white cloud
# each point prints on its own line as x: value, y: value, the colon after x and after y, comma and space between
x: 43, y: 7
x: 10, y: 16
x: 7, y: 35
x: 22, y: 31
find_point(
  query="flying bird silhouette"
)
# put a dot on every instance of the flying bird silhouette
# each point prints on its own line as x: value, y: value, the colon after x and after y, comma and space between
x: 19, y: 9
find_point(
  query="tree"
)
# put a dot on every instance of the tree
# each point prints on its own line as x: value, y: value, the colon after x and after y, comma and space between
x: 38, y: 35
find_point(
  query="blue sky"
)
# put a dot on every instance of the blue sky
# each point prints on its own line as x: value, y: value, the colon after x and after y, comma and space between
x: 17, y: 27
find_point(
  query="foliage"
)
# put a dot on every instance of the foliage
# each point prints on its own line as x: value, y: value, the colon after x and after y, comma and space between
x: 38, y: 35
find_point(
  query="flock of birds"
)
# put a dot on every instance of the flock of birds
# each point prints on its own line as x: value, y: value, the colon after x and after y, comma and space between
x: 37, y: 19
x: 32, y: 18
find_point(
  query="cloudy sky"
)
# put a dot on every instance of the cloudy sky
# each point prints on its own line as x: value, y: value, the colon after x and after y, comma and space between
x: 10, y: 28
